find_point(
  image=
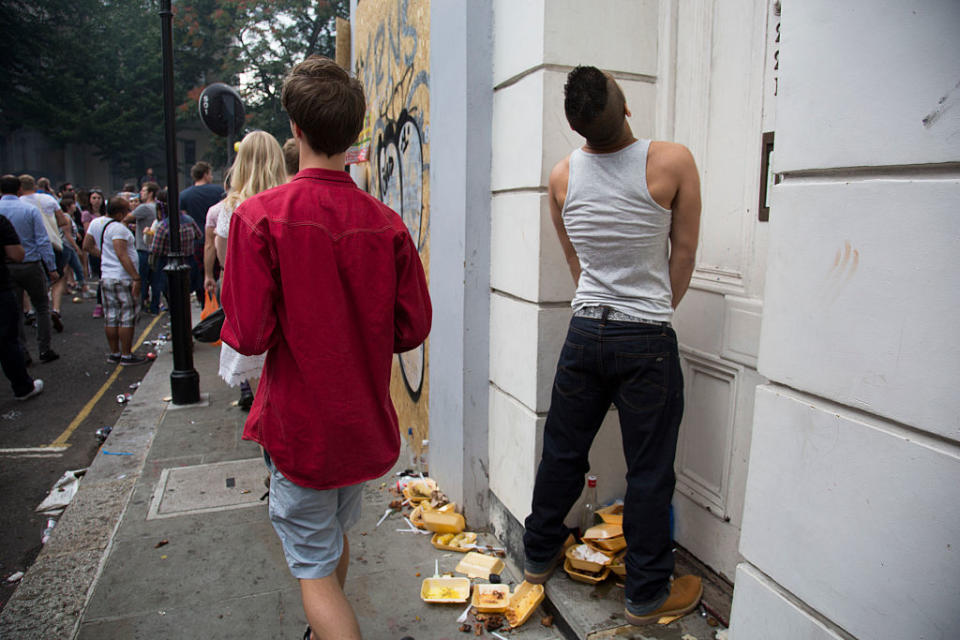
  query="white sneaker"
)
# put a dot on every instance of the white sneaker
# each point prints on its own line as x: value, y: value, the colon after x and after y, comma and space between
x: 37, y: 389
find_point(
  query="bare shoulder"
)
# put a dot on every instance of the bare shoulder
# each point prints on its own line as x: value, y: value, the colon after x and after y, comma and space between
x: 670, y: 169
x: 670, y: 156
x: 560, y: 171
x: 559, y: 176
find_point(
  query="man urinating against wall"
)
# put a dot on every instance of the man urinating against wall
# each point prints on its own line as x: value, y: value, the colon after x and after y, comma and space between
x: 627, y: 213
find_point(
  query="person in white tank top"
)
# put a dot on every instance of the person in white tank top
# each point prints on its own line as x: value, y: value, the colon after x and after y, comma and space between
x: 627, y: 213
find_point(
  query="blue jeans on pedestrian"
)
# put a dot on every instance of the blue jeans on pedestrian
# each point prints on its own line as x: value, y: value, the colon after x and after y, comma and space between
x: 73, y: 261
x: 635, y: 366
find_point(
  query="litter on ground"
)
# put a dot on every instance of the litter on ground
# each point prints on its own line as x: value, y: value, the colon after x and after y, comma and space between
x: 62, y: 493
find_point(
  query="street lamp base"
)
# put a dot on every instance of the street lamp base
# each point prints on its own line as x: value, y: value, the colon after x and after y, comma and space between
x: 185, y: 387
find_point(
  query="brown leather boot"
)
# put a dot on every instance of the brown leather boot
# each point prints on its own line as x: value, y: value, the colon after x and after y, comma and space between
x: 538, y: 574
x: 684, y: 596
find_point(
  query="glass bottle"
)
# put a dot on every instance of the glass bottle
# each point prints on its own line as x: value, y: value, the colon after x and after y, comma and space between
x: 590, y: 505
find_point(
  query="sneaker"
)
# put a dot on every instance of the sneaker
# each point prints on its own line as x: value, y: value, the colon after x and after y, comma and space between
x: 37, y: 388
x: 29, y: 318
x: 114, y: 358
x: 132, y: 359
x: 98, y: 311
x: 684, y: 596
x: 57, y: 322
x: 49, y: 356
x: 539, y: 572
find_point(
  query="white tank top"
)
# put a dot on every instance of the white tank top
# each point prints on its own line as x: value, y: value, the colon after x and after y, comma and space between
x: 620, y: 233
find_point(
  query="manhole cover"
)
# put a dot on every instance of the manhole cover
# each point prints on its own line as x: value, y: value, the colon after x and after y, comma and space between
x: 208, y: 487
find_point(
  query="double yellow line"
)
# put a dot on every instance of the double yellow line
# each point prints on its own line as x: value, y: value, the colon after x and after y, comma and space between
x: 61, y: 441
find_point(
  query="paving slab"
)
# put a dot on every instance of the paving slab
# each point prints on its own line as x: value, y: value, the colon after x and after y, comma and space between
x: 259, y: 616
x: 201, y: 569
x: 204, y: 437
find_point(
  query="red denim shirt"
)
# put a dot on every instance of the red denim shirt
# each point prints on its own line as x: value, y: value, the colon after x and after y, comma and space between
x: 325, y: 279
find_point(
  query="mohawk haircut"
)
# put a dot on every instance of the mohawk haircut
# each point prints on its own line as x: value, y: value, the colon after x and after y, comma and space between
x: 593, y: 104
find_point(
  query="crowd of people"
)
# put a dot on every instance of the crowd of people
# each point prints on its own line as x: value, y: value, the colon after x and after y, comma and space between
x: 71, y: 246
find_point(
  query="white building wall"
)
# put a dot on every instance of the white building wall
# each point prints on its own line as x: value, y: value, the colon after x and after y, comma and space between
x: 851, y: 523
x: 536, y: 43
x: 461, y: 102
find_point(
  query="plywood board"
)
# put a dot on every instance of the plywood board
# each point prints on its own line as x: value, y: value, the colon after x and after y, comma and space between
x: 393, y: 62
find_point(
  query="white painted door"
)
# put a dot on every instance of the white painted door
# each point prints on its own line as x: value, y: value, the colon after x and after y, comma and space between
x: 719, y: 105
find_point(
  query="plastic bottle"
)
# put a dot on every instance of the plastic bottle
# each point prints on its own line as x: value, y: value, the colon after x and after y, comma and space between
x: 51, y: 523
x: 590, y: 504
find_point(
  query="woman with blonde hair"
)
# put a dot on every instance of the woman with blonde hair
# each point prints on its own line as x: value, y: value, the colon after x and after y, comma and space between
x: 259, y: 166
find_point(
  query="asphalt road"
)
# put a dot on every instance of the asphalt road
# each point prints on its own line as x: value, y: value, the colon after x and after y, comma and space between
x: 70, y: 384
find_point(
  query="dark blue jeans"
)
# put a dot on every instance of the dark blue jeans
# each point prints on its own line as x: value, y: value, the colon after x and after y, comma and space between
x: 636, y: 367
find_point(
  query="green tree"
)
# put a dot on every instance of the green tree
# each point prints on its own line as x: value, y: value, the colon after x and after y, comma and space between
x: 271, y: 37
x: 46, y: 83
x: 90, y: 71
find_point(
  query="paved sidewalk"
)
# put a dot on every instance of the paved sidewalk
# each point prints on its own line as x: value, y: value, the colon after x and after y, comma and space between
x: 198, y: 558
x: 170, y: 539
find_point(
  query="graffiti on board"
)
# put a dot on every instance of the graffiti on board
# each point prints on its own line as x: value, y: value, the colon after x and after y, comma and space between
x: 392, y: 63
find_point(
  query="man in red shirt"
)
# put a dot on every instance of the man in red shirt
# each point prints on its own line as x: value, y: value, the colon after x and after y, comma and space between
x: 326, y: 280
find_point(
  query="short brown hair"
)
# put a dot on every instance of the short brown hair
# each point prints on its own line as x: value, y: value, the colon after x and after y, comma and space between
x: 291, y: 156
x: 27, y: 182
x: 200, y: 169
x: 326, y: 103
x: 152, y: 188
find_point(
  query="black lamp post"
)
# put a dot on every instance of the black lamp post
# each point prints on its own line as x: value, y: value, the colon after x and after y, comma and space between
x: 184, y: 381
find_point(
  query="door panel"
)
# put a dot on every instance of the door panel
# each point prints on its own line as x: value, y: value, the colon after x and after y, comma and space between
x: 722, y: 106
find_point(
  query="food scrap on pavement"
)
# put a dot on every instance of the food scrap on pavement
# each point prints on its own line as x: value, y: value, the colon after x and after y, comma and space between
x: 425, y: 508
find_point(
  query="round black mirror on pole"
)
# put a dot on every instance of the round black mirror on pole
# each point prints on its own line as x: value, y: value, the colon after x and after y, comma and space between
x: 222, y: 113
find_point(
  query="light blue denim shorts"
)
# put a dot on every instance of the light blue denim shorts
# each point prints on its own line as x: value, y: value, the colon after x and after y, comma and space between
x: 311, y: 523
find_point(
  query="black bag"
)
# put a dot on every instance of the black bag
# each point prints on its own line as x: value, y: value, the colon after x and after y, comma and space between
x: 208, y: 329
